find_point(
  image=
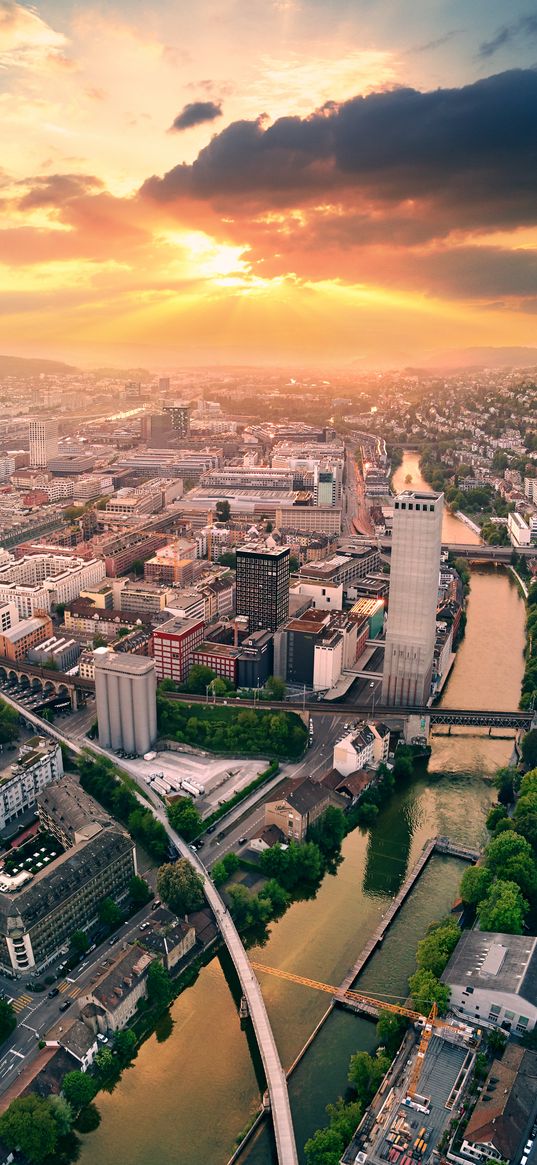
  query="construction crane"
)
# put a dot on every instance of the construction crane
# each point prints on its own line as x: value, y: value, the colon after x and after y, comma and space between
x: 429, y: 1023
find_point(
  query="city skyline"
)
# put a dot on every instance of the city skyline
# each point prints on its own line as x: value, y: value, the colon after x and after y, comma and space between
x: 286, y: 181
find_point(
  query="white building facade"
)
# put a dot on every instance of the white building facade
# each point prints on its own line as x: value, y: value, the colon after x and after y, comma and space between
x: 414, y: 574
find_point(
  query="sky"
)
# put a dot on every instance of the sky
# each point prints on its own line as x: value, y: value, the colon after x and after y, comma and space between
x: 226, y: 181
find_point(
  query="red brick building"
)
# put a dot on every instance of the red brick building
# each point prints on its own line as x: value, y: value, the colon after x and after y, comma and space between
x: 174, y: 643
x: 222, y: 658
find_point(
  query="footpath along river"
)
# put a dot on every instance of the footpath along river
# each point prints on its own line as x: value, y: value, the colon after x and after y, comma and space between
x: 185, y: 1099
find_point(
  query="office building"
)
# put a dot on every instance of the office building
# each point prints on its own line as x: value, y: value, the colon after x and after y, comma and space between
x: 492, y: 979
x: 222, y: 658
x: 256, y: 660
x: 37, y: 582
x: 263, y: 586
x: 179, y: 414
x: 43, y: 437
x: 414, y: 574
x: 125, y: 692
x: 39, y: 911
x: 9, y: 616
x: 173, y: 645
x: 18, y: 641
x: 39, y: 762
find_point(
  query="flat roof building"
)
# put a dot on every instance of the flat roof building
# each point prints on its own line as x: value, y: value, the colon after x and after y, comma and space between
x: 262, y: 588
x: 493, y: 979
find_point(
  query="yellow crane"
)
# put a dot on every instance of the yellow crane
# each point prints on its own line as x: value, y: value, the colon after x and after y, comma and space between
x: 429, y: 1023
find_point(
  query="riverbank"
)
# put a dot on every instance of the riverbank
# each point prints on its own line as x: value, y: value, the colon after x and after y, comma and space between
x: 319, y: 937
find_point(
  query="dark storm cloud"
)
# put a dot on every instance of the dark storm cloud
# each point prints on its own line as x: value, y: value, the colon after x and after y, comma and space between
x: 470, y: 150
x: 195, y: 113
x: 525, y: 26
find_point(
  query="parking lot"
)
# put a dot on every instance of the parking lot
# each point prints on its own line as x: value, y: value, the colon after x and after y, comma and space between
x: 220, y: 777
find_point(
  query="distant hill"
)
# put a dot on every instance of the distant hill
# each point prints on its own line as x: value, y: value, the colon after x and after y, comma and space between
x: 482, y: 358
x: 21, y: 366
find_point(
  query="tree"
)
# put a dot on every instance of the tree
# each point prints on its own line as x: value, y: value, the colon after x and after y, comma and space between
x: 199, y: 677
x: 324, y: 1147
x: 139, y: 891
x: 278, y: 897
x: 366, y: 1073
x: 390, y: 1031
x: 185, y: 817
x: 159, y: 988
x: 138, y: 567
x: 226, y: 866
x: 62, y: 1113
x: 78, y: 1089
x: 180, y: 887
x: 475, y: 884
x: 529, y: 748
x: 425, y: 990
x: 105, y: 1062
x: 496, y: 1041
x: 247, y: 910
x: 503, y: 909
x: 495, y: 815
x: 28, y: 1126
x: 9, y: 723
x: 293, y: 564
x: 79, y: 942
x: 505, y: 781
x: 402, y: 766
x: 223, y: 511
x: 345, y: 1118
x: 228, y: 558
x: 109, y: 913
x: 125, y: 1044
x: 435, y: 949
x: 276, y: 688
x: 8, y: 1019
x: 329, y: 830
x: 510, y: 858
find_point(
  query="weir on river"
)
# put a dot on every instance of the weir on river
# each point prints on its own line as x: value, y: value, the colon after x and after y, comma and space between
x: 194, y: 1085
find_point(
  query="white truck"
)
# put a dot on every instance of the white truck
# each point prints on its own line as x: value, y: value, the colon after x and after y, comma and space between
x: 191, y: 788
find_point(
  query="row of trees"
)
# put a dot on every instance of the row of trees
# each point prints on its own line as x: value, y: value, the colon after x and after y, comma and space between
x: 99, y: 778
x: 503, y: 888
x: 529, y: 682
x: 9, y: 723
x: 232, y: 729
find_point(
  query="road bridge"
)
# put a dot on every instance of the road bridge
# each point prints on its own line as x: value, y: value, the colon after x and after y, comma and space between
x: 274, y: 1073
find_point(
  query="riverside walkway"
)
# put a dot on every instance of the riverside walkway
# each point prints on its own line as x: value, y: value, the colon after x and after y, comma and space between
x: 442, y: 845
x: 274, y: 1073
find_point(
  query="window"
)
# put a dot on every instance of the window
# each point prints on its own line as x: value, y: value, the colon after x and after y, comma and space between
x: 495, y: 1010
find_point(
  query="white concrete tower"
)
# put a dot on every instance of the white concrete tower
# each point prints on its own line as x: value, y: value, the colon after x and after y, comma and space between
x: 43, y: 435
x: 125, y: 694
x: 414, y: 573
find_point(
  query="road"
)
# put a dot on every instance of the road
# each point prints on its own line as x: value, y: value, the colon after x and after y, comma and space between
x: 355, y: 504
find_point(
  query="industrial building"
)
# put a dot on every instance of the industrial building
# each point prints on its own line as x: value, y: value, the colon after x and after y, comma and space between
x: 125, y: 692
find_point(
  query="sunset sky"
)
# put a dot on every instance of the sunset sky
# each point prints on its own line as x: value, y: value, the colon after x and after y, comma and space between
x: 263, y: 180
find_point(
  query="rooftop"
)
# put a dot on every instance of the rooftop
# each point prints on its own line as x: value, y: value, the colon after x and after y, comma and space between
x: 124, y: 664
x: 506, y: 1108
x: 503, y: 962
x: 119, y: 979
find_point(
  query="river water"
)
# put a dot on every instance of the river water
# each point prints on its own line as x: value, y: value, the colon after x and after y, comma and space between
x: 185, y: 1099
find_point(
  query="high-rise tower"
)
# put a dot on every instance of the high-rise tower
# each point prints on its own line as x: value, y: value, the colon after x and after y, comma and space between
x: 43, y: 435
x: 263, y: 586
x: 414, y: 571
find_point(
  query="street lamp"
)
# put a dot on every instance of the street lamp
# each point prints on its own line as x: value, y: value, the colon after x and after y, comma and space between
x: 372, y: 685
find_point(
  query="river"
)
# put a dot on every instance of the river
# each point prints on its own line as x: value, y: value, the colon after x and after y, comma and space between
x: 185, y: 1100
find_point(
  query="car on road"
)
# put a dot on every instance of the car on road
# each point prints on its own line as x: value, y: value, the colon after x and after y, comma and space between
x: 242, y: 840
x: 211, y: 828
x: 53, y: 992
x: 66, y: 1003
x: 144, y: 925
x: 113, y: 940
